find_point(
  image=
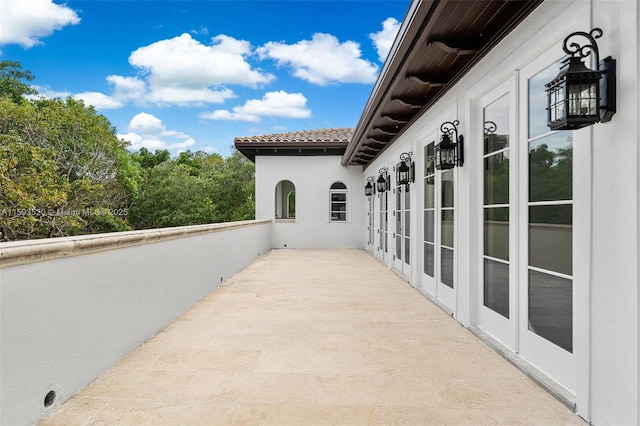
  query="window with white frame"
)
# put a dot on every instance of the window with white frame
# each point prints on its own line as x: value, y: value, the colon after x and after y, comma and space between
x: 338, y: 197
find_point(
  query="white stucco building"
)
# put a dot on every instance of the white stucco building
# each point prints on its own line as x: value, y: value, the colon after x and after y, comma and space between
x: 532, y: 242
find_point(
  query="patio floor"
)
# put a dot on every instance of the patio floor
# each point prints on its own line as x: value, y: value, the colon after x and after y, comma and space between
x: 313, y: 337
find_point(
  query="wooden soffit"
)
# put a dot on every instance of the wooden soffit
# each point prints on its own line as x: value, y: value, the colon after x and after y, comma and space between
x: 439, y: 42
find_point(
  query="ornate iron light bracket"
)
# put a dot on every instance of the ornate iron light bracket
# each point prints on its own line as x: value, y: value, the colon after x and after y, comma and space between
x: 449, y: 153
x: 580, y: 96
x: 405, y: 170
x: 382, y: 183
x: 370, y: 187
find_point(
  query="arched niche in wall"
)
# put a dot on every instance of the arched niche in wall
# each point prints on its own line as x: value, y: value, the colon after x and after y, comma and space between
x: 285, y: 200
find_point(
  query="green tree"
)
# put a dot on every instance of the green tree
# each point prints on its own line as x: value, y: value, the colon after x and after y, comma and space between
x: 31, y: 192
x: 195, y: 188
x: 75, y: 154
x: 11, y: 84
x: 233, y: 186
x: 199, y: 161
x: 173, y: 196
x: 63, y: 171
x: 103, y: 176
x: 147, y: 160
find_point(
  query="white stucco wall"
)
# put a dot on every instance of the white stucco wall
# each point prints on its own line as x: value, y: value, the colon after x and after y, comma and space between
x: 606, y: 218
x: 312, y: 177
x: 614, y: 304
x: 66, y: 320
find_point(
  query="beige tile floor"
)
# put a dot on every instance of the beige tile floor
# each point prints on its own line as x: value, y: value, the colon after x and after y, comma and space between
x: 313, y: 337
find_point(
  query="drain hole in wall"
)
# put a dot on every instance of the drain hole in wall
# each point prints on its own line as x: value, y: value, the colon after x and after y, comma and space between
x: 49, y: 399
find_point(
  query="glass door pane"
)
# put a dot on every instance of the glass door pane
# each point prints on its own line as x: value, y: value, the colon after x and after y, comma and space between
x: 398, y: 216
x: 382, y: 243
x: 429, y: 211
x: 407, y: 225
x: 447, y: 226
x: 496, y: 156
x: 550, y: 224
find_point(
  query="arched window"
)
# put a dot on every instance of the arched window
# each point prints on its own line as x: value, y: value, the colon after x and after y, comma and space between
x: 285, y: 200
x: 338, y: 197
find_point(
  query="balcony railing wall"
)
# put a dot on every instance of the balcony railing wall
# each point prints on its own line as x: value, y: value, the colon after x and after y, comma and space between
x: 71, y: 307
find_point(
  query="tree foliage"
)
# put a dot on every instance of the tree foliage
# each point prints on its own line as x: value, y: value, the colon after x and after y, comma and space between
x: 195, y: 188
x: 80, y: 160
x: 63, y: 171
x: 11, y: 84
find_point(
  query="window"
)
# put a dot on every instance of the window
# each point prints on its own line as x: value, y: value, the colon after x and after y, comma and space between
x: 338, y: 196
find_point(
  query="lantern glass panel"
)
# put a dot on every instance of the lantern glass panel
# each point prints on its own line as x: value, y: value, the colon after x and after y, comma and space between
x: 445, y: 157
x: 538, y: 116
x: 583, y: 99
x: 368, y: 189
x: 574, y: 99
x: 449, y: 155
x: 557, y: 103
x: 382, y: 183
x: 437, y: 157
x: 403, y: 173
x: 588, y: 101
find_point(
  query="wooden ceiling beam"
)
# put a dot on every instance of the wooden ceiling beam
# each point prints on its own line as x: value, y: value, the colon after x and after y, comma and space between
x: 386, y: 130
x: 431, y: 80
x: 410, y: 101
x: 458, y: 46
x: 398, y: 118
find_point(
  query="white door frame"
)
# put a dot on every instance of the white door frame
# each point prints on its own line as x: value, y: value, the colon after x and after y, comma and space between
x: 555, y: 361
x: 503, y: 329
x: 433, y: 285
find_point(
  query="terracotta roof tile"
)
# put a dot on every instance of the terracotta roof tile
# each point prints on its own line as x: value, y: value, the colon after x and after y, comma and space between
x: 312, y: 136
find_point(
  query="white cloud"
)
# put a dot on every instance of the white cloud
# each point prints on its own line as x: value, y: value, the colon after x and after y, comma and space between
x: 48, y: 93
x: 148, y: 131
x: 25, y: 22
x: 201, y: 30
x: 209, y: 149
x: 383, y: 39
x: 127, y: 88
x: 98, y: 100
x: 186, y: 96
x: 184, y: 71
x: 226, y: 115
x: 272, y: 104
x: 322, y: 60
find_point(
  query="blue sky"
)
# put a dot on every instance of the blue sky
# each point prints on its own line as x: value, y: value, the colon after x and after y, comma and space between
x: 181, y: 75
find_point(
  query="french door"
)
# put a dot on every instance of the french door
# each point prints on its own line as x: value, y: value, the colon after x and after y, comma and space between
x: 499, y: 215
x: 438, y: 246
x: 371, y: 223
x: 525, y: 268
x: 545, y: 233
x: 383, y: 227
x: 402, y: 232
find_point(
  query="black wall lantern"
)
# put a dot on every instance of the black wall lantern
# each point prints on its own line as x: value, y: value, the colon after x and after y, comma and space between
x: 382, y: 183
x: 449, y: 153
x: 405, y: 169
x: 579, y: 96
x: 369, y: 188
